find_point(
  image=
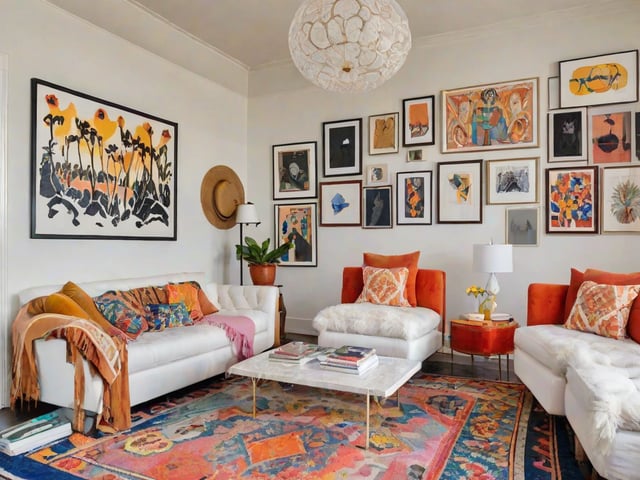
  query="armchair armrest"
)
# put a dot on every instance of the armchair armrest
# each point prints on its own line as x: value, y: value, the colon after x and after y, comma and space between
x: 546, y: 303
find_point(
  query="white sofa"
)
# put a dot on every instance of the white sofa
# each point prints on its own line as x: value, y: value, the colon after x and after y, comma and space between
x: 159, y: 362
x: 593, y: 380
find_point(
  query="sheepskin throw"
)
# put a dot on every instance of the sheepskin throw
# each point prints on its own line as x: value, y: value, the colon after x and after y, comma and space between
x: 377, y: 320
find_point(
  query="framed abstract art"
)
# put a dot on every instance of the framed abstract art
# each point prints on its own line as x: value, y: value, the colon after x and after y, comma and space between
x: 611, y: 138
x: 568, y: 135
x: 572, y: 200
x: 620, y: 199
x: 383, y: 133
x: 342, y: 147
x: 294, y: 170
x: 512, y: 181
x: 414, y: 198
x: 460, y: 192
x: 341, y: 203
x: 377, y: 205
x: 297, y: 224
x: 418, y: 123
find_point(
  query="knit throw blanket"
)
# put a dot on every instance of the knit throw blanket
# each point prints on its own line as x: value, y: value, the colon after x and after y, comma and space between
x: 239, y: 329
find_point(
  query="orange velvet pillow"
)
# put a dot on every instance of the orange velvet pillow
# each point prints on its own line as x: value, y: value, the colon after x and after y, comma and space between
x: 384, y: 286
x: 600, y: 276
x: 62, y: 304
x: 187, y: 293
x: 577, y: 277
x: 408, y: 260
x: 207, y: 306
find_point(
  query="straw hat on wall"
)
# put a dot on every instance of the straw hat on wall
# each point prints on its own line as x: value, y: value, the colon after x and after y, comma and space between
x: 220, y: 194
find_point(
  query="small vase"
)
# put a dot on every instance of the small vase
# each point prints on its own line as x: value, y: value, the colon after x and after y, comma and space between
x: 487, y: 307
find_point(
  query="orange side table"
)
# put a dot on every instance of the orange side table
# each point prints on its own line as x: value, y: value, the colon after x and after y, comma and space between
x: 483, y: 338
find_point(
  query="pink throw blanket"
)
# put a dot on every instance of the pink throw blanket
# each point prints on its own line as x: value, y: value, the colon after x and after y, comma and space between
x: 240, y: 330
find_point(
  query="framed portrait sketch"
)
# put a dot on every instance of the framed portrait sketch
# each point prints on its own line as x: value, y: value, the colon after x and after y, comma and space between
x: 571, y: 200
x: 460, y: 192
x: 512, y: 181
x: 620, y: 199
x: 418, y: 124
x: 611, y: 138
x: 89, y: 179
x: 599, y: 79
x: 341, y: 203
x: 377, y: 207
x: 495, y: 116
x: 522, y: 226
x: 377, y: 174
x: 342, y: 147
x: 568, y: 135
x: 414, y: 198
x: 297, y: 224
x: 294, y: 170
x: 383, y: 133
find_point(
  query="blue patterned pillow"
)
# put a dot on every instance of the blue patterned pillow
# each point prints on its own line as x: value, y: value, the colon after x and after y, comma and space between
x: 120, y: 313
x: 167, y: 315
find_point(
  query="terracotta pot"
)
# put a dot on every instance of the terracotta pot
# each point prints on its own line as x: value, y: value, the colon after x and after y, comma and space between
x: 263, y: 274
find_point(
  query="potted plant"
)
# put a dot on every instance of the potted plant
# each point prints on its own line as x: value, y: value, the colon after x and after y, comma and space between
x: 262, y: 261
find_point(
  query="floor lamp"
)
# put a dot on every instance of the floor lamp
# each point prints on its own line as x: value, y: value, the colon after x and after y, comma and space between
x: 246, y: 214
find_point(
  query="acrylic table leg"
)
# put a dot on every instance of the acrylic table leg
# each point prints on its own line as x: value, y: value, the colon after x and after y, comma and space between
x: 366, y: 444
x: 507, y: 366
x: 253, y: 385
x: 500, y: 367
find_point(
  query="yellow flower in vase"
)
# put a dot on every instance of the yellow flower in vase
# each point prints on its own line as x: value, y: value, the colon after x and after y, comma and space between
x: 486, y: 305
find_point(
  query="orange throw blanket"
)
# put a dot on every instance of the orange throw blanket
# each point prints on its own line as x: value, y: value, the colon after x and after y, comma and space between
x: 85, y: 339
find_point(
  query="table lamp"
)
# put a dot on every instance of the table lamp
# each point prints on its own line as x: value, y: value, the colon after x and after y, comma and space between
x: 492, y: 258
x: 246, y: 214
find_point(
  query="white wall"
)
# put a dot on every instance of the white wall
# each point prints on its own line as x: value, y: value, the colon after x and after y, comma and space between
x: 283, y: 109
x: 45, y: 42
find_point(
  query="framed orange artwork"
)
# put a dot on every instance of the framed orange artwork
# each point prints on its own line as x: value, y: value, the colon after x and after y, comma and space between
x: 418, y: 125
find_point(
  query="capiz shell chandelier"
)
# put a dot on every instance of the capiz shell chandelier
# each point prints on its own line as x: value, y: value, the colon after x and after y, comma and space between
x: 349, y: 45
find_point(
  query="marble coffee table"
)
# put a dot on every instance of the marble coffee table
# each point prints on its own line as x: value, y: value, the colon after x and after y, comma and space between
x: 382, y: 381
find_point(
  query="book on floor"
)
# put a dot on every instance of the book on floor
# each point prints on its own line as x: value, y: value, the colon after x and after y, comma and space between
x: 35, y: 432
x: 368, y: 364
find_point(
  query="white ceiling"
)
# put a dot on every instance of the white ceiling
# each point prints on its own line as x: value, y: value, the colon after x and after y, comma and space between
x: 254, y: 32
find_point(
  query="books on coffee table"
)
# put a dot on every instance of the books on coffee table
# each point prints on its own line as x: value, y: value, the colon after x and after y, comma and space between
x: 369, y: 363
x: 350, y: 359
x: 35, y: 432
x: 298, y: 352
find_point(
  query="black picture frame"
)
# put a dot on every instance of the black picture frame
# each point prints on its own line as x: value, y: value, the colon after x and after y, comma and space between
x: 418, y: 131
x: 294, y: 170
x: 568, y: 135
x: 342, y: 147
x: 377, y: 203
x: 297, y: 223
x: 414, y: 198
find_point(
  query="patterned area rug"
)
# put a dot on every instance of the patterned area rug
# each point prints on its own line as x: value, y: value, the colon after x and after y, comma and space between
x: 445, y: 427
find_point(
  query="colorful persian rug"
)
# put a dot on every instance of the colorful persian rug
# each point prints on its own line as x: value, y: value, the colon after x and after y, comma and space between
x: 445, y: 427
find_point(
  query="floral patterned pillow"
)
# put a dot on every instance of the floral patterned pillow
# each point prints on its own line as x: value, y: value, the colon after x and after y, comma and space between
x: 384, y: 286
x: 167, y: 315
x: 602, y: 309
x: 121, y: 314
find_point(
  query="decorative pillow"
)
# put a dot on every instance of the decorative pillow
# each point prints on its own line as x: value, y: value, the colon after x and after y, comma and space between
x: 186, y: 293
x: 600, y: 276
x: 207, y: 306
x: 121, y: 314
x: 577, y: 277
x: 602, y: 309
x: 408, y: 260
x: 384, y: 286
x: 63, y: 305
x: 167, y: 315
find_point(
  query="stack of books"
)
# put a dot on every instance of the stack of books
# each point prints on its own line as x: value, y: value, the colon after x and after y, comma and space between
x: 298, y: 353
x: 350, y: 359
x: 35, y: 433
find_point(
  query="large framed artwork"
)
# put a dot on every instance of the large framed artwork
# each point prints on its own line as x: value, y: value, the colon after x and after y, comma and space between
x: 341, y: 203
x: 599, y: 79
x: 611, y: 136
x: 377, y: 207
x: 414, y: 198
x: 460, y: 192
x: 568, y: 135
x: 418, y: 124
x: 342, y: 147
x: 512, y: 181
x: 620, y: 199
x: 100, y: 170
x: 495, y: 116
x: 294, y: 170
x: 297, y: 224
x: 383, y: 133
x: 522, y: 226
x: 572, y: 200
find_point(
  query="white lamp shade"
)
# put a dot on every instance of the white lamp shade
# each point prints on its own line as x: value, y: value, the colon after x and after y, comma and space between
x: 247, y: 213
x: 492, y: 258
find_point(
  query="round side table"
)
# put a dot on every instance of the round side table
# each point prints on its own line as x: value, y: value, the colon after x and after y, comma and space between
x: 484, y: 338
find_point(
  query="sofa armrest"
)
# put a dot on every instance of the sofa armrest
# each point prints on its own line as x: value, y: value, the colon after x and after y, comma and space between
x: 546, y: 303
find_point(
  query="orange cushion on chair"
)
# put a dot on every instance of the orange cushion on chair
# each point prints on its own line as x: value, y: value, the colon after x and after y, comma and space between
x: 577, y: 277
x: 408, y: 260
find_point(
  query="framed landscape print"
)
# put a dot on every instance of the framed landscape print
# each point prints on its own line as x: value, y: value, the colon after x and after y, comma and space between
x: 460, y: 192
x: 341, y: 203
x: 89, y: 178
x: 522, y: 226
x: 414, y: 198
x: 568, y: 135
x: 512, y: 181
x: 572, y: 200
x: 377, y: 174
x: 383, y: 133
x: 342, y: 147
x: 418, y: 124
x: 611, y: 134
x: 495, y: 116
x: 599, y: 79
x: 620, y: 199
x: 294, y: 170
x: 377, y: 207
x: 297, y: 224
